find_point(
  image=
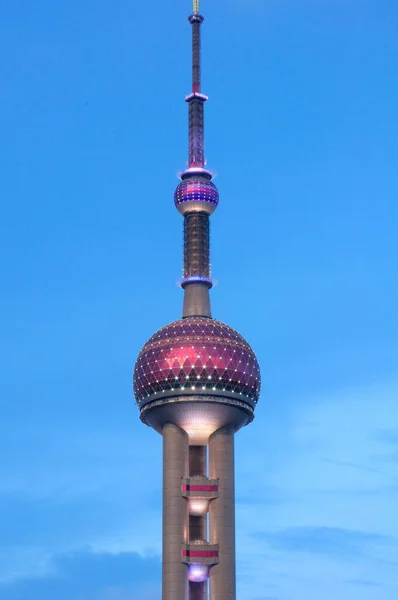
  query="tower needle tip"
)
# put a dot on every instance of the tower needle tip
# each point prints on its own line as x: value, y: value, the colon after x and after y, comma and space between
x: 195, y: 7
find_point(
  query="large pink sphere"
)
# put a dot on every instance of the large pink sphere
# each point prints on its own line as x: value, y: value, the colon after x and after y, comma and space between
x: 197, y: 355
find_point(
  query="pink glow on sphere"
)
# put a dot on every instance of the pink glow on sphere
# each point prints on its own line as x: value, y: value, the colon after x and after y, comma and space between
x: 197, y: 355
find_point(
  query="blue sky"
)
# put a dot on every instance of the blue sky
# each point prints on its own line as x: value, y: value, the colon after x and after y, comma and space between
x: 302, y: 130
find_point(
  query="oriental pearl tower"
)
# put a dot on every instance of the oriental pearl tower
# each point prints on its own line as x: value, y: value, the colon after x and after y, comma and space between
x: 197, y: 382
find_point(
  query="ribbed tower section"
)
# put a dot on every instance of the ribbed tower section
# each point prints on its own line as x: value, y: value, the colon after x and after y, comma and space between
x: 197, y: 382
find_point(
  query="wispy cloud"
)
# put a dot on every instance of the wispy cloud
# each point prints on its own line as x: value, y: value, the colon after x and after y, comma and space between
x: 332, y: 541
x: 87, y: 575
x: 34, y: 528
x: 365, y: 583
x: 336, y: 520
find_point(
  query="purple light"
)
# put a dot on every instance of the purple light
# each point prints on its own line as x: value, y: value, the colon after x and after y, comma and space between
x: 198, y: 573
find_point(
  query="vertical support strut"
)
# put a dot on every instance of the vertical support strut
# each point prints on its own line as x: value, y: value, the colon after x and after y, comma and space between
x: 197, y: 245
x: 196, y: 151
x: 197, y: 461
x: 196, y: 301
x: 196, y: 265
x: 196, y: 272
x: 196, y: 21
x: 198, y: 524
x: 175, y: 513
x: 196, y: 100
x: 198, y: 591
x: 222, y: 514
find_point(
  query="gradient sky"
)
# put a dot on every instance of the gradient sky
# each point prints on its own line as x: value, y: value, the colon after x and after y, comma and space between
x: 302, y: 129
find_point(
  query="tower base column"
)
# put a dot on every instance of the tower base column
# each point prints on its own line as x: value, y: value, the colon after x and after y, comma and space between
x: 198, y: 591
x: 175, y: 513
x: 196, y: 300
x: 222, y: 514
x: 198, y: 524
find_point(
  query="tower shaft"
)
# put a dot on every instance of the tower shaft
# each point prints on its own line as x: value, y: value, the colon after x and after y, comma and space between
x: 196, y: 100
x: 196, y: 551
x: 196, y: 246
x: 196, y: 138
x: 175, y: 513
x: 222, y: 514
x: 196, y: 21
x: 198, y: 523
x: 196, y: 270
x: 196, y: 301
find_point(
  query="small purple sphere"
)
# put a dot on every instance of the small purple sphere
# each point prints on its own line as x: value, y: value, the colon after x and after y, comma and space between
x: 196, y: 195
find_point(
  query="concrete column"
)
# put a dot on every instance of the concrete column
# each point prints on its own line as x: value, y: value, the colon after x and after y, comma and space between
x: 196, y: 300
x: 197, y: 466
x: 175, y: 513
x: 198, y: 525
x: 197, y: 461
x: 197, y: 528
x: 222, y: 514
x: 198, y: 591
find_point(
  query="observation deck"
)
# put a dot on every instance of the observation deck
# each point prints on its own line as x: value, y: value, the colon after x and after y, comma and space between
x: 199, y: 490
x: 199, y: 552
x: 199, y: 487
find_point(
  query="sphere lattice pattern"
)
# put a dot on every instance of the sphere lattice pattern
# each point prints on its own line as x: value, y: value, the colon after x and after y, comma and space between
x: 199, y: 356
x: 196, y: 195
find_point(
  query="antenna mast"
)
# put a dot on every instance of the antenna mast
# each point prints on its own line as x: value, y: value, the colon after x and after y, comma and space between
x: 196, y: 99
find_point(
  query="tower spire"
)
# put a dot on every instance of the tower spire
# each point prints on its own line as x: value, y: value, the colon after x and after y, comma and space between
x: 196, y: 99
x: 196, y: 197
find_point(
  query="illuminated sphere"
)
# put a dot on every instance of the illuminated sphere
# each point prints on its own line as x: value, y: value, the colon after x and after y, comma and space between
x: 199, y: 374
x: 196, y: 194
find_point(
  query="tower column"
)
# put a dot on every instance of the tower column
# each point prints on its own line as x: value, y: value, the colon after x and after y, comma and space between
x: 198, y: 525
x: 197, y: 280
x: 175, y: 513
x: 198, y: 591
x: 196, y: 300
x: 197, y: 461
x: 222, y: 514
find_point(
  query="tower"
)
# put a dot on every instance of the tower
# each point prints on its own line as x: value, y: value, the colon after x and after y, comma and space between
x: 197, y: 382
